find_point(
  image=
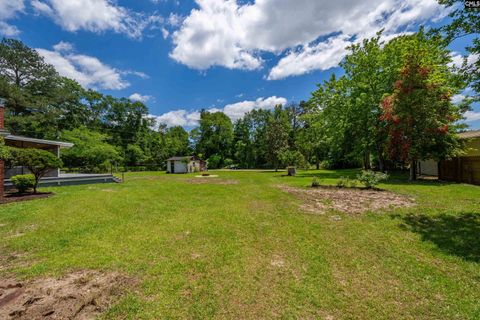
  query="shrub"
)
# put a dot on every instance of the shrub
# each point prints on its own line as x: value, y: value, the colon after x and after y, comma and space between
x: 343, y: 182
x: 23, y: 182
x: 371, y: 178
x: 38, y: 161
x: 315, y: 182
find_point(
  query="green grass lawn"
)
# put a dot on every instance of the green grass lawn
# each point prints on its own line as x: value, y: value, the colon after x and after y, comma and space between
x: 247, y: 251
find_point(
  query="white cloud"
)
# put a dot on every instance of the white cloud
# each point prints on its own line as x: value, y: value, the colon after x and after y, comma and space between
x: 322, y: 56
x: 63, y: 46
x: 458, y: 60
x: 8, y: 10
x: 165, y: 33
x: 234, y: 111
x: 458, y: 98
x: 237, y: 110
x: 139, y: 97
x: 182, y: 118
x: 229, y: 34
x: 87, y: 70
x: 471, y: 116
x: 95, y: 16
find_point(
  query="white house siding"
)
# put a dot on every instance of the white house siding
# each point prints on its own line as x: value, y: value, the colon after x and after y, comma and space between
x: 428, y: 167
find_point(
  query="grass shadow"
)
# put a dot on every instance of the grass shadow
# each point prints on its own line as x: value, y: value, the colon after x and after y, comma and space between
x: 457, y: 235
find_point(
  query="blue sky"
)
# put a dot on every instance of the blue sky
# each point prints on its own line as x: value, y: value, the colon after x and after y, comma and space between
x: 181, y: 56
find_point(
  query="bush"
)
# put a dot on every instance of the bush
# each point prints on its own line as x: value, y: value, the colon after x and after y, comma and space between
x: 38, y: 161
x: 315, y: 182
x: 346, y: 182
x: 23, y: 182
x: 371, y: 178
x: 343, y: 182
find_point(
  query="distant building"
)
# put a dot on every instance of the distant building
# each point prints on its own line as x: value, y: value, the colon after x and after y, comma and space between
x: 465, y: 168
x: 186, y: 164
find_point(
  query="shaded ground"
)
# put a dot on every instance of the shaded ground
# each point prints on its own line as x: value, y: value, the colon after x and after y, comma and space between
x: 79, y: 295
x: 348, y: 200
x: 16, y: 197
x: 453, y: 234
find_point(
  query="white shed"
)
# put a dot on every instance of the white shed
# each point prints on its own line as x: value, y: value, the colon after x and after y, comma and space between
x: 186, y: 164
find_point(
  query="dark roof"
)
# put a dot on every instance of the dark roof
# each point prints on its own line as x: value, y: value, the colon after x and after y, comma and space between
x: 469, y: 134
x: 179, y: 158
x: 39, y: 141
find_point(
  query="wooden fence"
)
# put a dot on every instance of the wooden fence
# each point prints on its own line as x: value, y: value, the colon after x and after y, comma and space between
x: 461, y: 169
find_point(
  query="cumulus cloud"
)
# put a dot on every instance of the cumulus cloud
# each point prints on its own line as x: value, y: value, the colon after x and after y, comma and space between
x: 458, y: 60
x: 471, y: 116
x: 140, y: 97
x: 89, y: 71
x: 234, y: 35
x: 237, y: 110
x: 9, y: 10
x: 95, y: 16
x: 234, y: 111
x: 182, y: 118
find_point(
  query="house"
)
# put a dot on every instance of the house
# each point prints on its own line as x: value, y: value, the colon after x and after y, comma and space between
x: 465, y: 168
x: 54, y: 177
x: 186, y: 164
x: 25, y: 142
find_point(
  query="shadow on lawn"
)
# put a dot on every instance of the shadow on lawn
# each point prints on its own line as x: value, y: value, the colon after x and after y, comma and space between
x: 453, y: 234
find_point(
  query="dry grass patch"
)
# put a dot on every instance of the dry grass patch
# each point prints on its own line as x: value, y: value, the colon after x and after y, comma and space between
x: 78, y: 295
x: 348, y: 200
x: 209, y: 180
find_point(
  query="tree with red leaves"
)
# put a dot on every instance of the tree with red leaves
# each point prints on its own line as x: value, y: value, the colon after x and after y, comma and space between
x: 419, y: 115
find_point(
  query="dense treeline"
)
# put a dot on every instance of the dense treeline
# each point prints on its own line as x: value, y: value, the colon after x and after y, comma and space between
x: 390, y: 108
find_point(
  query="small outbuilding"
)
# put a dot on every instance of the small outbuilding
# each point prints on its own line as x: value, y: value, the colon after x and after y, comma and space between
x: 185, y: 164
x: 465, y: 168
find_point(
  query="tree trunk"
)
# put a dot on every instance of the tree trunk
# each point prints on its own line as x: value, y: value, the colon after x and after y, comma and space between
x: 318, y: 165
x: 381, y: 161
x: 366, y: 160
x: 413, y: 170
x: 36, y: 184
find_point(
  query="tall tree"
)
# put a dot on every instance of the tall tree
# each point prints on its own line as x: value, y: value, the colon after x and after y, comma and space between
x: 465, y: 22
x: 419, y: 113
x: 215, y: 135
x: 277, y: 136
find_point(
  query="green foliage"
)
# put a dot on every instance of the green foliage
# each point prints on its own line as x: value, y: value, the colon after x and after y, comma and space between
x: 23, y: 182
x: 315, y: 182
x: 5, y: 153
x: 215, y: 136
x: 292, y: 158
x: 38, y: 161
x: 371, y: 179
x: 465, y: 23
x: 214, y: 161
x: 90, y: 150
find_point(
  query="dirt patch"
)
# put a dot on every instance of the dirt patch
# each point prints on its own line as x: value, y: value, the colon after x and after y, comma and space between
x: 79, y: 295
x: 16, y: 197
x: 321, y: 200
x: 209, y: 180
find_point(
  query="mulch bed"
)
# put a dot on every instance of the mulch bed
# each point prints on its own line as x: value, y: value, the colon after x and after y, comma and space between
x: 17, y: 197
x: 319, y: 200
x: 78, y: 295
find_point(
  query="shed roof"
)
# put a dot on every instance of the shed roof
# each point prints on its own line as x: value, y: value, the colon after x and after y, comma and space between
x: 39, y: 141
x: 469, y: 134
x: 179, y: 158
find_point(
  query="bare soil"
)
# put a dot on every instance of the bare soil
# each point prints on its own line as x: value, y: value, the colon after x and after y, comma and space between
x: 79, y: 295
x: 17, y: 197
x: 348, y: 200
